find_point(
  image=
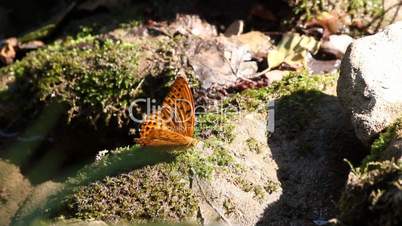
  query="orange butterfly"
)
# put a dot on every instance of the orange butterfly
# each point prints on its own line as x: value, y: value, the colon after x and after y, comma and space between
x: 173, y: 125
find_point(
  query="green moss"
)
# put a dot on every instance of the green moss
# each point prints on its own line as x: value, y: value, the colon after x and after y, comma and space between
x: 294, y: 82
x: 372, y: 195
x: 302, y: 81
x: 308, y: 9
x: 216, y: 124
x: 371, y: 7
x: 96, y: 77
x: 193, y: 161
x: 254, y: 145
x: 259, y: 192
x: 155, y: 192
x: 271, y: 186
x: 382, y: 142
x: 38, y: 34
x: 229, y: 206
x: 243, y: 184
x: 221, y: 157
x: 152, y: 193
x: 296, y: 97
x: 206, y: 165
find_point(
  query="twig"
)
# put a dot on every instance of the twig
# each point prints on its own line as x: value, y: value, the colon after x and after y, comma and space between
x: 138, y: 86
x: 262, y: 72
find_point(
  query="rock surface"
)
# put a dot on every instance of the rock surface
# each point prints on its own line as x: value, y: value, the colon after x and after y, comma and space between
x: 13, y: 190
x: 370, y: 82
x: 36, y: 200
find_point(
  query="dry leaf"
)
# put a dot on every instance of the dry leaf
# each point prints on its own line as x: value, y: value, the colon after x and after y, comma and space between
x: 8, y: 50
x: 293, y: 50
x: 220, y: 61
x: 257, y: 42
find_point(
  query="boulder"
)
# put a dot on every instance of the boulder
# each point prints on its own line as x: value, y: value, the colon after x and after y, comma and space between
x: 14, y: 188
x: 36, y: 200
x: 370, y: 82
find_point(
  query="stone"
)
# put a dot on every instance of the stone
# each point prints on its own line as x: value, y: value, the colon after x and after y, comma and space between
x: 14, y: 188
x: 36, y: 200
x: 370, y: 82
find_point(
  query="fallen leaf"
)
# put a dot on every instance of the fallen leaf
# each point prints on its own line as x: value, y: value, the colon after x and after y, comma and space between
x: 32, y: 45
x: 8, y: 50
x: 292, y: 50
x: 258, y: 43
x: 332, y: 23
x: 192, y: 25
x: 220, y: 61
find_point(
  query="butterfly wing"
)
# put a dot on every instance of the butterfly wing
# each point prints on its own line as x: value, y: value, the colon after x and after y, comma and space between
x: 173, y: 125
x: 161, y: 137
x: 178, y: 107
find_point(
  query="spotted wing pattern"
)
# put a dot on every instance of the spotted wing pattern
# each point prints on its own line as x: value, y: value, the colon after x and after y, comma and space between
x: 174, y: 123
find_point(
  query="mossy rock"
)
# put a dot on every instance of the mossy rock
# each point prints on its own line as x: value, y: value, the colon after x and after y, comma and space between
x: 373, y: 195
x: 386, y: 145
x: 227, y: 176
x: 36, y: 200
x: 151, y: 193
x: 97, y: 76
x: 14, y: 188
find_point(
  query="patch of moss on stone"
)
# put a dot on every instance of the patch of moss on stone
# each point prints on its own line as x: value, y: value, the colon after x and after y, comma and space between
x: 152, y: 193
x: 38, y: 34
x: 373, y: 195
x: 243, y: 184
x: 192, y: 161
x: 229, y: 206
x: 254, y: 145
x: 302, y: 81
x: 204, y: 165
x: 294, y: 82
x: 217, y: 124
x: 382, y: 142
x: 96, y: 77
x: 271, y: 186
x: 307, y: 9
x: 259, y: 192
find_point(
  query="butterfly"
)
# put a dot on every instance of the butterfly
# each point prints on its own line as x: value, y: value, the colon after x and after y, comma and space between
x: 173, y: 124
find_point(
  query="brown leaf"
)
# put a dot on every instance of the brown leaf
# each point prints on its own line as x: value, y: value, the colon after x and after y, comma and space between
x: 8, y: 51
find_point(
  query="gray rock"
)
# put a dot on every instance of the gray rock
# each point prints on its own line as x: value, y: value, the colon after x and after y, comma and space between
x: 370, y: 82
x: 14, y: 188
x: 35, y: 201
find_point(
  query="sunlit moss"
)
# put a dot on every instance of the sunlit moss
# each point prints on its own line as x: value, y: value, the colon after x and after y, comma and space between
x: 217, y: 124
x: 295, y: 82
x: 254, y: 145
x: 97, y: 77
x: 152, y: 193
x: 382, y: 142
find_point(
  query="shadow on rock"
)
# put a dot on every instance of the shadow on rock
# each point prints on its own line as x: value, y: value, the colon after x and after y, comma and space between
x: 312, y: 137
